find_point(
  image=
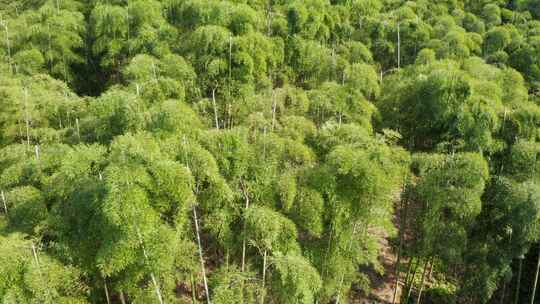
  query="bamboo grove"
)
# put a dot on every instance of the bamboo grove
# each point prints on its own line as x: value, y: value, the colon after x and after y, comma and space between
x: 249, y: 151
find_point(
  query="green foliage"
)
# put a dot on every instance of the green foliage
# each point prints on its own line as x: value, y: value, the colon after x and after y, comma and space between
x: 231, y: 286
x: 268, y: 230
x: 153, y: 149
x: 296, y: 280
x: 449, y: 192
x: 36, y: 279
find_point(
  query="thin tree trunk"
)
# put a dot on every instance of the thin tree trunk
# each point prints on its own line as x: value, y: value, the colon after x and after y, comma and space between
x: 193, y: 287
x: 36, y: 260
x: 423, y: 281
x: 536, y: 277
x: 516, y: 295
x: 430, y: 274
x: 396, y: 283
x: 274, y: 106
x: 228, y: 121
x: 122, y: 297
x: 323, y: 262
x: 246, y: 197
x: 4, y: 201
x: 34, y: 254
x: 36, y: 148
x: 215, y: 108
x: 8, y: 46
x: 398, y: 46
x: 503, y: 293
x: 398, y: 260
x: 263, y: 276
x: 158, y: 291
x: 203, y: 269
x: 128, y: 29
x: 230, y: 63
x: 50, y: 47
x: 19, y: 129
x: 152, y: 277
x: 26, y: 117
x: 411, y: 283
x: 409, y: 271
x: 343, y: 274
x: 78, y: 128
x: 106, y: 290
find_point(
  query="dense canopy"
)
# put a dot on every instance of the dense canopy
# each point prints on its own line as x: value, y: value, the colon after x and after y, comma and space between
x: 248, y: 151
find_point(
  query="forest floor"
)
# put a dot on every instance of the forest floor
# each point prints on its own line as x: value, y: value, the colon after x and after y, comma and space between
x: 383, y: 284
x: 382, y: 290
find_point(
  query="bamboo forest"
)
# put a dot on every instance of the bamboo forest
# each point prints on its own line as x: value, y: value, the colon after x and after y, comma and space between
x: 269, y: 151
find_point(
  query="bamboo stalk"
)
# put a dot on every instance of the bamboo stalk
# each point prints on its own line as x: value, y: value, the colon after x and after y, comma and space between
x: 409, y: 269
x: 535, y: 277
x: 106, y: 290
x: 398, y: 46
x: 36, y: 260
x: 274, y: 106
x: 215, y: 108
x: 246, y: 197
x: 411, y: 283
x: 8, y: 46
x: 122, y: 297
x: 343, y: 274
x: 152, y: 277
x: 422, y: 283
x: 263, y: 276
x: 193, y: 287
x: 398, y: 259
x: 78, y: 128
x: 26, y: 117
x: 203, y: 269
x: 4, y: 201
x: 516, y: 294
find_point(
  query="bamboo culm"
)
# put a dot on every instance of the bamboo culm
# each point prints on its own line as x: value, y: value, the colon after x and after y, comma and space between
x: 422, y: 283
x: 203, y: 269
x: 535, y: 277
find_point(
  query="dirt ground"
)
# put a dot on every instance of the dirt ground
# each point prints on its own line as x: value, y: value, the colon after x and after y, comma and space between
x: 382, y: 290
